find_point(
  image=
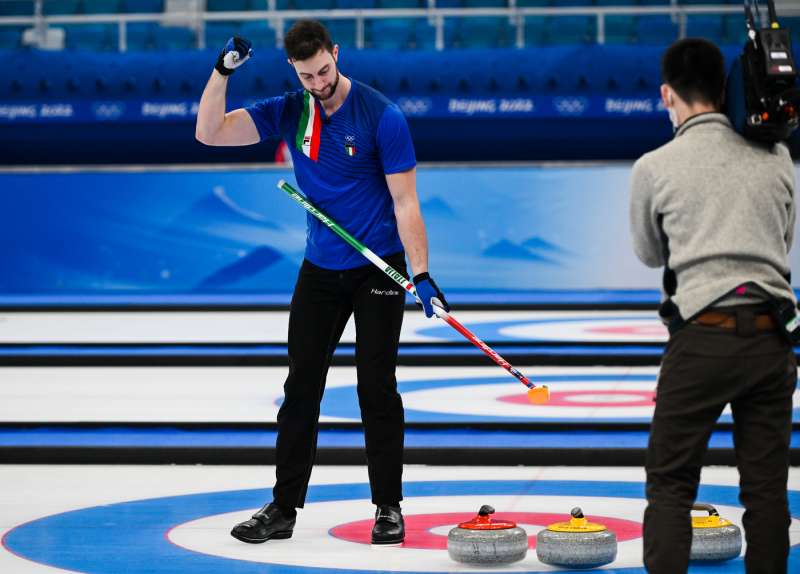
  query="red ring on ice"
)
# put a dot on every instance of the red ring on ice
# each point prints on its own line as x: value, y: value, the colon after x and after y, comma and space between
x: 573, y: 398
x: 632, y: 330
x: 419, y: 526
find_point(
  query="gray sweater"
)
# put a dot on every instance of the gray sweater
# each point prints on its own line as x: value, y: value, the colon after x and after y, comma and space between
x: 724, y: 205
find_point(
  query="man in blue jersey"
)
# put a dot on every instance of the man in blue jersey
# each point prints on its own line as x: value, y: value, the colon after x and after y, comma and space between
x: 353, y: 156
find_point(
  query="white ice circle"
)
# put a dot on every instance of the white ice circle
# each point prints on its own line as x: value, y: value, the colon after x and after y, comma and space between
x: 646, y: 330
x: 483, y: 400
x: 313, y: 546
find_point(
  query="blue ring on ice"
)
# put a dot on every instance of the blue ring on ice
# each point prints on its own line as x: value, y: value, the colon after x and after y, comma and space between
x: 122, y: 544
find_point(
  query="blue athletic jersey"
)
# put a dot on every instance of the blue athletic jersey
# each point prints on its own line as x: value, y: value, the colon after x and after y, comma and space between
x: 365, y: 139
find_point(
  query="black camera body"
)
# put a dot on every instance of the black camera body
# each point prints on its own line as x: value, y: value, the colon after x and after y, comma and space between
x: 762, y: 95
x: 784, y: 312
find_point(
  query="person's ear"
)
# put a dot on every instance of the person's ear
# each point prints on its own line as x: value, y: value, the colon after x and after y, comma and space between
x: 666, y: 96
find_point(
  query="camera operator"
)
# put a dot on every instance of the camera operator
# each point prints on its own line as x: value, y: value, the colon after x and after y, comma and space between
x: 717, y: 211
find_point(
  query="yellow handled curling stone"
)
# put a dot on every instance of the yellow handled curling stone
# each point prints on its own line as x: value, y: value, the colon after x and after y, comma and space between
x: 714, y: 538
x: 576, y: 543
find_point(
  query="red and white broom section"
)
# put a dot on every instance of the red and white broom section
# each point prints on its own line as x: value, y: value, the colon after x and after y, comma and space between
x: 537, y: 394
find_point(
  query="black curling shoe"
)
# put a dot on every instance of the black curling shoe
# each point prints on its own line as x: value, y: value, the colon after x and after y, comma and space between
x: 269, y: 523
x: 389, y: 526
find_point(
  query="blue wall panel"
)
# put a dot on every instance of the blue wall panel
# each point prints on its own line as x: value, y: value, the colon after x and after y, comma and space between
x: 206, y: 234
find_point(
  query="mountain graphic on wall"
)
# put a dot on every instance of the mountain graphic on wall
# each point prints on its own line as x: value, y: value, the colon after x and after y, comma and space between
x: 539, y: 245
x: 216, y: 209
x: 531, y: 249
x: 245, y: 268
x: 436, y: 206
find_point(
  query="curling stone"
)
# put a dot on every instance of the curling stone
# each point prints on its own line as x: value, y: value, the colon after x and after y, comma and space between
x: 577, y: 543
x: 484, y: 540
x: 714, y: 538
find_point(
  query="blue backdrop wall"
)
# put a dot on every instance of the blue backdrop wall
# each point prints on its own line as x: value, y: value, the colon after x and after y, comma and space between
x: 232, y: 236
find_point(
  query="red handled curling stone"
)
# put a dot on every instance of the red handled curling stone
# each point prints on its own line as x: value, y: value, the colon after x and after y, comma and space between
x: 576, y: 543
x: 484, y: 540
x: 714, y: 538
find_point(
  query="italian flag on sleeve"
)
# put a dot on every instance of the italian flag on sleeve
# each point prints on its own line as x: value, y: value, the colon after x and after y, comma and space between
x: 309, y: 128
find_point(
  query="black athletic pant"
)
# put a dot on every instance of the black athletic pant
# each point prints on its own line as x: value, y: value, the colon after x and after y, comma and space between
x: 322, y: 303
x: 703, y: 369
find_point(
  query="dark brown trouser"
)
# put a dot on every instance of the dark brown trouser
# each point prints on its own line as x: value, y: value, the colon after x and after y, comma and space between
x: 703, y: 369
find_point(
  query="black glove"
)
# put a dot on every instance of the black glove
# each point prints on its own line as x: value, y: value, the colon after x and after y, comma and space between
x: 426, y: 291
x: 235, y: 53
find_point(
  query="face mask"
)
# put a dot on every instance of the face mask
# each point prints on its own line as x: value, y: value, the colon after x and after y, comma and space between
x: 673, y: 115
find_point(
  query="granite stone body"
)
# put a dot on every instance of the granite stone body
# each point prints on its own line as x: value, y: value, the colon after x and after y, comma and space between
x: 720, y: 543
x: 487, y: 546
x: 576, y: 549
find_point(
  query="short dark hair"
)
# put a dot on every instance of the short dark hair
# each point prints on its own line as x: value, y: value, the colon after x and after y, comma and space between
x: 305, y: 38
x: 695, y: 69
